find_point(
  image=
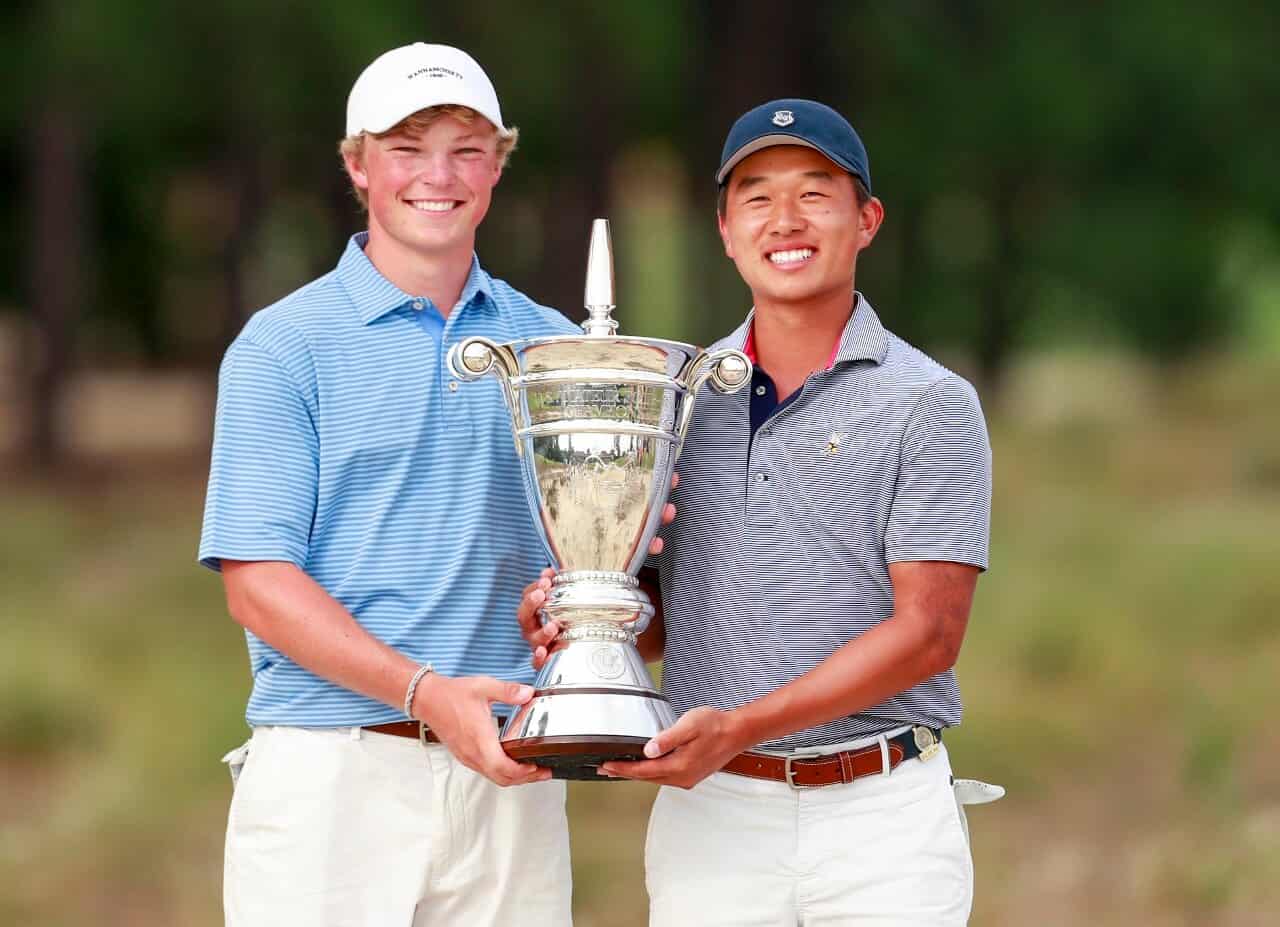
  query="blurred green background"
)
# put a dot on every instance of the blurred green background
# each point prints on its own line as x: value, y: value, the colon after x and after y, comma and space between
x: 1083, y: 216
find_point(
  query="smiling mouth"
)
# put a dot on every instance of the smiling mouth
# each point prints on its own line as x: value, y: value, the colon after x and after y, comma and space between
x: 790, y: 257
x: 434, y: 205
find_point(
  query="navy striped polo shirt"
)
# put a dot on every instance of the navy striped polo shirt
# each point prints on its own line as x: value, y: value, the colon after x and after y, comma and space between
x: 342, y: 444
x: 780, y: 553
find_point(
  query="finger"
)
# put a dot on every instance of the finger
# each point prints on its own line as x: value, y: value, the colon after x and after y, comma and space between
x: 539, y: 657
x: 668, y: 513
x: 682, y: 732
x: 527, y: 613
x: 640, y: 770
x: 675, y: 479
x: 655, y: 546
x: 542, y: 582
x: 505, y: 771
x: 545, y: 634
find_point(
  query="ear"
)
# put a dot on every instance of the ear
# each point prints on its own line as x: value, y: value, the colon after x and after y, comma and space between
x: 356, y: 171
x: 724, y: 235
x: 869, y: 218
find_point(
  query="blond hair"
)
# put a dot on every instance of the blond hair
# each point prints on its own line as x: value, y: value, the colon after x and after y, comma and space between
x: 416, y: 123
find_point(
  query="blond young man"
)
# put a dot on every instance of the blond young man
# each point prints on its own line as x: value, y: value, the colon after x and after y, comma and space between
x: 368, y: 521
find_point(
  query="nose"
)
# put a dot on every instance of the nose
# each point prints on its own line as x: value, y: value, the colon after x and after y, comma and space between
x: 437, y: 170
x: 786, y: 218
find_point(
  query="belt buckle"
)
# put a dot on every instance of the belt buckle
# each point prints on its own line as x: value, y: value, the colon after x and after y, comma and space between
x: 789, y: 769
x: 926, y: 742
x: 423, y: 730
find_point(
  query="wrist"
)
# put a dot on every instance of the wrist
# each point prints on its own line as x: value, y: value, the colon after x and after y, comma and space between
x: 749, y: 725
x: 743, y: 734
x: 415, y: 689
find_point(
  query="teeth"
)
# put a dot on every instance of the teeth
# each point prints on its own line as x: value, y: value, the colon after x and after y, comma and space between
x: 792, y: 256
x: 432, y: 205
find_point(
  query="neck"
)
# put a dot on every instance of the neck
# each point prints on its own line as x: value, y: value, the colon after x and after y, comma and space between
x: 793, y: 340
x: 440, y: 277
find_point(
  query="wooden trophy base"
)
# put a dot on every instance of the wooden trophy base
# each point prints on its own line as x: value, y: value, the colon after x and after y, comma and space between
x: 576, y: 756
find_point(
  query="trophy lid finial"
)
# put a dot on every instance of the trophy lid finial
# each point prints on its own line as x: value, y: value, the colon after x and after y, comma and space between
x: 599, y: 298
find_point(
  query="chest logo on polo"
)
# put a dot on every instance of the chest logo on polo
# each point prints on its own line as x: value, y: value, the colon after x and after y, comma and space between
x: 834, y: 442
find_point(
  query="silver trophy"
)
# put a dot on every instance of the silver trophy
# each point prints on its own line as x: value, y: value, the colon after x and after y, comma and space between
x: 599, y: 420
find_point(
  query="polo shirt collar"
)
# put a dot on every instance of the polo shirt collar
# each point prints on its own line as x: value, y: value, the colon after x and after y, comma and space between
x: 374, y: 295
x: 863, y: 337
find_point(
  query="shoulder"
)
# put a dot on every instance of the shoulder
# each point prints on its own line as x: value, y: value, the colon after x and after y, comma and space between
x: 285, y: 331
x: 735, y: 339
x: 921, y: 377
x: 287, y: 323
x: 532, y: 319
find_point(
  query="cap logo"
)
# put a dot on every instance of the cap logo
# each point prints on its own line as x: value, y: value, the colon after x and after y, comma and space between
x: 783, y: 117
x: 434, y: 71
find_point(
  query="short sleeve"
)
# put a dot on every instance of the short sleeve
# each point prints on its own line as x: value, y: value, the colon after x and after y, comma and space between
x: 262, y: 480
x: 942, y: 501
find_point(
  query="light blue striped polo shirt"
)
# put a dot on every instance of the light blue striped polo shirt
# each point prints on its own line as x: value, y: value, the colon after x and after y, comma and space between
x: 780, y: 552
x: 343, y: 445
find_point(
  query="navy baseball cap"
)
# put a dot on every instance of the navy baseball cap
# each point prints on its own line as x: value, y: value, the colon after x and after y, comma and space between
x: 796, y: 122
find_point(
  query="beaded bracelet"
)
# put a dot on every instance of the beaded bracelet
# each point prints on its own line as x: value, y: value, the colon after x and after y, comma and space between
x: 413, y: 687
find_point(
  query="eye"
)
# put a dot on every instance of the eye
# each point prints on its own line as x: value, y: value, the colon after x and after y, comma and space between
x: 813, y: 194
x: 469, y: 151
x: 405, y: 149
x: 757, y: 201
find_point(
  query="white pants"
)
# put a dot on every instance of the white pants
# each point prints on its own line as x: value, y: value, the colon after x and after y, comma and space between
x: 882, y: 851
x: 347, y: 827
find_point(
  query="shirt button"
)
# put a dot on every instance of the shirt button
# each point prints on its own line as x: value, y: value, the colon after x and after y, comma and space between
x: 761, y: 478
x: 453, y: 386
x: 760, y: 391
x: 418, y: 305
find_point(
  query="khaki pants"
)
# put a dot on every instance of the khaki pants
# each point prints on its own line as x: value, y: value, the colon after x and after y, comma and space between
x: 346, y: 827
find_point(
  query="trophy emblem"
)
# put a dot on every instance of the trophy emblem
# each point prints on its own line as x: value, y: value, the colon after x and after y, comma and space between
x: 598, y: 421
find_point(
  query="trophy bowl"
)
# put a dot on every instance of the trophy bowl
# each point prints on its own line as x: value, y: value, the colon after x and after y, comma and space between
x: 598, y: 421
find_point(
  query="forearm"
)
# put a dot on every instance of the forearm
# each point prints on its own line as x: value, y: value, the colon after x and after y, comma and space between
x: 291, y: 612
x: 889, y: 659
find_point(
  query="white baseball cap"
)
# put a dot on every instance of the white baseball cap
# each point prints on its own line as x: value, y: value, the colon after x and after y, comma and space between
x: 413, y: 77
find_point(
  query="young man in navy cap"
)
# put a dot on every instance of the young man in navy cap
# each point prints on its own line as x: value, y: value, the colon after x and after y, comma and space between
x: 817, y: 583
x: 368, y: 521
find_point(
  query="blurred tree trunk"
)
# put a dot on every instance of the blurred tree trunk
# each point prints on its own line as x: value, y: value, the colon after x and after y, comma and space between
x: 580, y: 192
x: 755, y: 51
x: 998, y: 321
x: 243, y: 180
x: 56, y: 270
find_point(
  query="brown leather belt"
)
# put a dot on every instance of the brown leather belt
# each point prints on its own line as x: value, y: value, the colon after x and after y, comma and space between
x: 414, y: 729
x: 811, y: 770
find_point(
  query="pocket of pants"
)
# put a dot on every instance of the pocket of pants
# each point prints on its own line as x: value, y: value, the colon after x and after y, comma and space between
x: 235, y: 761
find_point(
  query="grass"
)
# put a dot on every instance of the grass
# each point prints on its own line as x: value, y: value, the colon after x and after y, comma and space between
x: 1119, y: 677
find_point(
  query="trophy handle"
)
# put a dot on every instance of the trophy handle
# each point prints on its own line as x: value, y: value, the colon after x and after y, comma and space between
x: 728, y: 370
x: 475, y: 357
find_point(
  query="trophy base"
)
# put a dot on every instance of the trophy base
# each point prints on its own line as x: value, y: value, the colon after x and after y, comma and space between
x: 576, y: 756
x: 594, y: 701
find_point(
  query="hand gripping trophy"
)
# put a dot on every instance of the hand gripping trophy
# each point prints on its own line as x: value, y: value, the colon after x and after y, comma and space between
x: 599, y: 420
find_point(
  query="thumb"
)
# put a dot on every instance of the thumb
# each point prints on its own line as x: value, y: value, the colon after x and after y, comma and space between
x: 513, y: 693
x: 677, y: 735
